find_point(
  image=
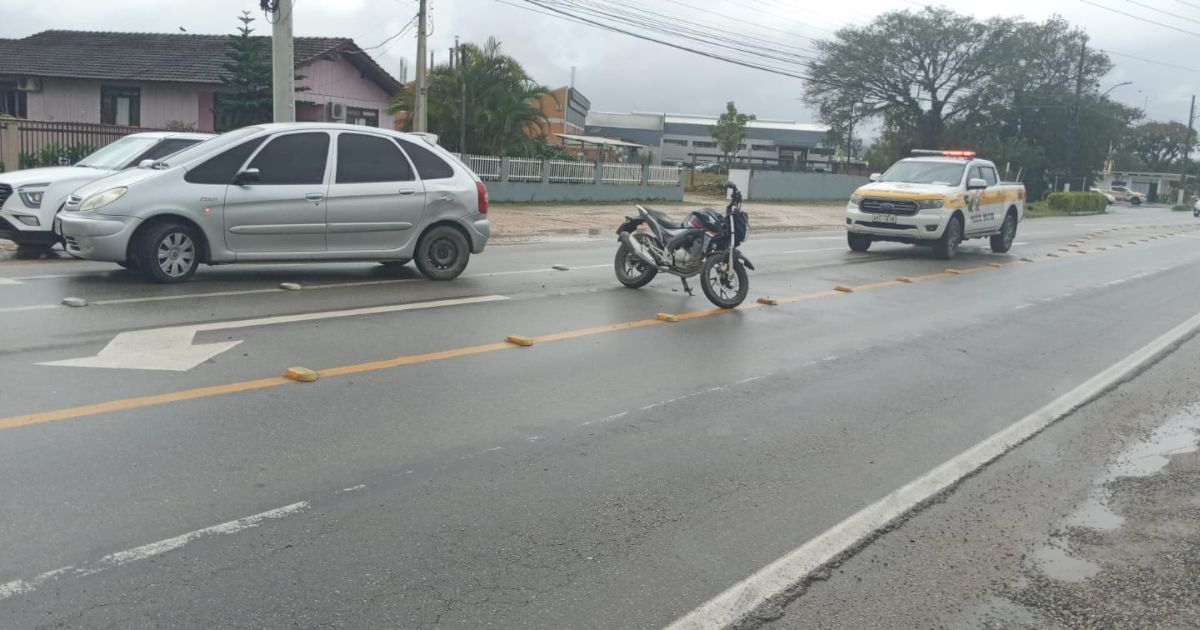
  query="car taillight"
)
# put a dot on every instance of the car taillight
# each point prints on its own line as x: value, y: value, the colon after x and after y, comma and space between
x: 483, y: 197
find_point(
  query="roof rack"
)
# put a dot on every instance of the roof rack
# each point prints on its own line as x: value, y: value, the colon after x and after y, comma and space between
x: 954, y: 153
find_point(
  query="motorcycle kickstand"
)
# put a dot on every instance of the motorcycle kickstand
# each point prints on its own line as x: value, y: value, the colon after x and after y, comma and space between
x: 687, y: 288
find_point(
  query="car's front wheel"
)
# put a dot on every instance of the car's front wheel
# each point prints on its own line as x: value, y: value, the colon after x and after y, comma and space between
x: 946, y: 247
x: 168, y: 252
x: 858, y: 242
x: 442, y: 253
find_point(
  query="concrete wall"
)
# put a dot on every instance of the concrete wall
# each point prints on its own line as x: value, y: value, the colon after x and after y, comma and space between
x: 776, y: 186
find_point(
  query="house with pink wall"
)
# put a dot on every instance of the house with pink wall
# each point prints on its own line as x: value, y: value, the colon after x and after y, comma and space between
x: 156, y: 80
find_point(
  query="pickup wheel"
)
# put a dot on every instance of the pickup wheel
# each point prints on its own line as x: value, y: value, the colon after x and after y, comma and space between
x: 1137, y: 201
x: 1003, y: 241
x: 858, y: 242
x: 946, y: 247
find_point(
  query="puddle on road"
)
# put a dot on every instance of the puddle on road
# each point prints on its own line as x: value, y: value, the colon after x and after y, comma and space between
x: 1180, y: 434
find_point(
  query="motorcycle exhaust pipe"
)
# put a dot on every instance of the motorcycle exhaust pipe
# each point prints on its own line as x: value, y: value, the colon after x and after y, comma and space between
x: 637, y: 249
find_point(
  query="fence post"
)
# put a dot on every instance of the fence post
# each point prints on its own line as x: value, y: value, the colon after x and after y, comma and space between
x: 599, y: 174
x: 545, y: 171
x: 645, y: 175
x: 504, y: 169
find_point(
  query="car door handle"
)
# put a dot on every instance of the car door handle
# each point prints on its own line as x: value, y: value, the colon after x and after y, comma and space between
x: 314, y: 196
x: 407, y: 192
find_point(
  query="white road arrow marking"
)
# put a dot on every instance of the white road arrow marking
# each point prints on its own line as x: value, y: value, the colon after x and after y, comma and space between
x: 172, y: 349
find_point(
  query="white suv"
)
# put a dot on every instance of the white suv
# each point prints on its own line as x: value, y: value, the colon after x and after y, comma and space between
x: 30, y: 198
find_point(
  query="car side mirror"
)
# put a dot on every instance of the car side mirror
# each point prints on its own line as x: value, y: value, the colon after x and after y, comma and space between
x: 976, y: 183
x: 146, y: 163
x: 248, y: 176
x: 875, y: 177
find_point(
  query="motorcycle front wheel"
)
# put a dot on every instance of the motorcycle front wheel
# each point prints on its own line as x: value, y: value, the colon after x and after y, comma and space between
x: 632, y: 271
x: 725, y: 287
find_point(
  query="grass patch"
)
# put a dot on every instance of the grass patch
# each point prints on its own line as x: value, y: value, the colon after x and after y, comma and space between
x: 1179, y: 207
x: 1041, y: 209
x: 705, y: 183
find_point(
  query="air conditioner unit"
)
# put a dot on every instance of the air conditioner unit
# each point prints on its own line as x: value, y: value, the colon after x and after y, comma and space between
x: 29, y: 84
x: 336, y: 111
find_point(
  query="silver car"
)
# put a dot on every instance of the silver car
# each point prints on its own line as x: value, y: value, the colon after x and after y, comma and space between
x: 285, y: 192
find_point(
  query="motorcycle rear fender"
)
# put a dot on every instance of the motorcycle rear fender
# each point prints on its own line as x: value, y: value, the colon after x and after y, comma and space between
x: 630, y: 224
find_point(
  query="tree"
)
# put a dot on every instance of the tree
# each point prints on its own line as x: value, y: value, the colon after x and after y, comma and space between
x: 730, y: 130
x: 1158, y: 146
x: 502, y: 116
x: 244, y: 97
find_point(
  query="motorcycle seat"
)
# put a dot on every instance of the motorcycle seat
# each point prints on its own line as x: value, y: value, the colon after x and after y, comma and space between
x: 663, y: 219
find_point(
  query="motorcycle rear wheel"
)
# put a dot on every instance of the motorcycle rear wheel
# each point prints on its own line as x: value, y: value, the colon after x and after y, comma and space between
x: 632, y: 271
x: 722, y: 286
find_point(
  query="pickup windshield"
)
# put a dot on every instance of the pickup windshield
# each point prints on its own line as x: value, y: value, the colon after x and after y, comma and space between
x: 940, y: 173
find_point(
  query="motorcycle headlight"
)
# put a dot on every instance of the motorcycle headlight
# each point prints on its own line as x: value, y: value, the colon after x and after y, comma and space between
x: 855, y: 199
x: 31, y: 198
x: 930, y: 204
x: 100, y: 200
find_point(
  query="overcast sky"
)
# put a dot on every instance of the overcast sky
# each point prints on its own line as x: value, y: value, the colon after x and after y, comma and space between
x: 620, y: 73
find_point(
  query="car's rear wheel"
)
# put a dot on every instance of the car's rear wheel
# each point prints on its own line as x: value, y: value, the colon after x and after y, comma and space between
x: 946, y: 247
x: 168, y: 252
x: 1003, y: 241
x: 443, y: 253
x: 1136, y: 201
x: 858, y: 242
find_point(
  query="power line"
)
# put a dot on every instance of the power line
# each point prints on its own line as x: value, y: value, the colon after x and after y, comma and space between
x: 1143, y: 59
x: 1138, y: 17
x: 1194, y: 6
x: 1168, y: 13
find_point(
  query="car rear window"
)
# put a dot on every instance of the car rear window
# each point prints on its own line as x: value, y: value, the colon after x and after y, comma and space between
x: 222, y: 168
x: 429, y: 165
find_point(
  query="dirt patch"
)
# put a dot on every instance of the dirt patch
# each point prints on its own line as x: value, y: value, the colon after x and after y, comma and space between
x: 519, y: 222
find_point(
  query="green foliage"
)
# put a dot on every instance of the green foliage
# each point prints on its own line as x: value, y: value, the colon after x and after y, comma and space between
x: 502, y: 116
x: 1004, y: 86
x: 541, y: 149
x: 1179, y: 207
x: 730, y: 129
x: 1158, y: 146
x: 244, y: 97
x: 179, y: 125
x: 1077, y: 202
x: 50, y: 154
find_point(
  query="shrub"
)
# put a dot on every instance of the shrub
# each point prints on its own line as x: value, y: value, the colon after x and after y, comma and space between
x: 52, y: 154
x: 1077, y: 202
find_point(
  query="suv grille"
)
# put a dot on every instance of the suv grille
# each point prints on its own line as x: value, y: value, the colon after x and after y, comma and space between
x: 5, y: 193
x: 902, y: 207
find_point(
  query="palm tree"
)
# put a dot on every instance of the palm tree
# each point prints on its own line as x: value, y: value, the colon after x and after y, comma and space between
x: 502, y: 116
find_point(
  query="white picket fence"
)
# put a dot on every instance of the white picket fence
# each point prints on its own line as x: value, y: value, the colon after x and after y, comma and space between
x: 490, y: 168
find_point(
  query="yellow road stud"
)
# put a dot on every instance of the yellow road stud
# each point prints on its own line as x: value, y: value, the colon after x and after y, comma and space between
x: 766, y: 301
x: 841, y: 288
x: 667, y: 317
x: 1026, y: 260
x: 302, y: 374
x: 904, y: 279
x: 518, y: 340
x: 1052, y: 255
x: 995, y: 265
x: 953, y: 272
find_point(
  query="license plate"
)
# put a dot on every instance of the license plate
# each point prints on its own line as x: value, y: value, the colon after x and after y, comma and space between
x: 884, y: 218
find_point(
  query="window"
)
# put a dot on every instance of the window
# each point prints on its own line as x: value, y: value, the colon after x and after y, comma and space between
x: 762, y: 147
x: 222, y: 168
x: 120, y: 105
x: 702, y: 144
x: 674, y: 142
x: 295, y: 158
x: 989, y: 175
x: 364, y: 117
x: 362, y: 158
x: 429, y: 166
x: 12, y: 100
x: 164, y: 148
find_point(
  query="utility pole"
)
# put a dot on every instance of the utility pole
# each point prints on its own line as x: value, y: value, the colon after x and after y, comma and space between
x: 1187, y: 149
x: 420, y: 116
x: 1078, y: 105
x: 462, y: 79
x: 283, y: 66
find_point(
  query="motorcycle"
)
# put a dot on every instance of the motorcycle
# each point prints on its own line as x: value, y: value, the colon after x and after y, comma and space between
x: 704, y: 243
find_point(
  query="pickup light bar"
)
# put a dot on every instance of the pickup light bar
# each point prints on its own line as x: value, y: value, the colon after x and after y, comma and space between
x: 954, y: 153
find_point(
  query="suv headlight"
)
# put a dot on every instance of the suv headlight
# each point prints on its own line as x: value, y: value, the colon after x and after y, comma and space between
x: 930, y: 204
x: 855, y: 200
x: 100, y: 200
x: 31, y: 198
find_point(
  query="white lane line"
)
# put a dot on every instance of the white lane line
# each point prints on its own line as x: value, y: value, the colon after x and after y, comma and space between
x: 771, y: 583
x: 121, y: 558
x: 361, y: 486
x: 35, y: 307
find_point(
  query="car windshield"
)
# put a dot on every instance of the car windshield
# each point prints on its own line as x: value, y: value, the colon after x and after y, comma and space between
x: 117, y: 155
x: 917, y: 172
x: 203, y: 148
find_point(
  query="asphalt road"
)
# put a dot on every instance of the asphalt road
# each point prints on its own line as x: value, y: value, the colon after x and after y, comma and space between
x: 618, y: 473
